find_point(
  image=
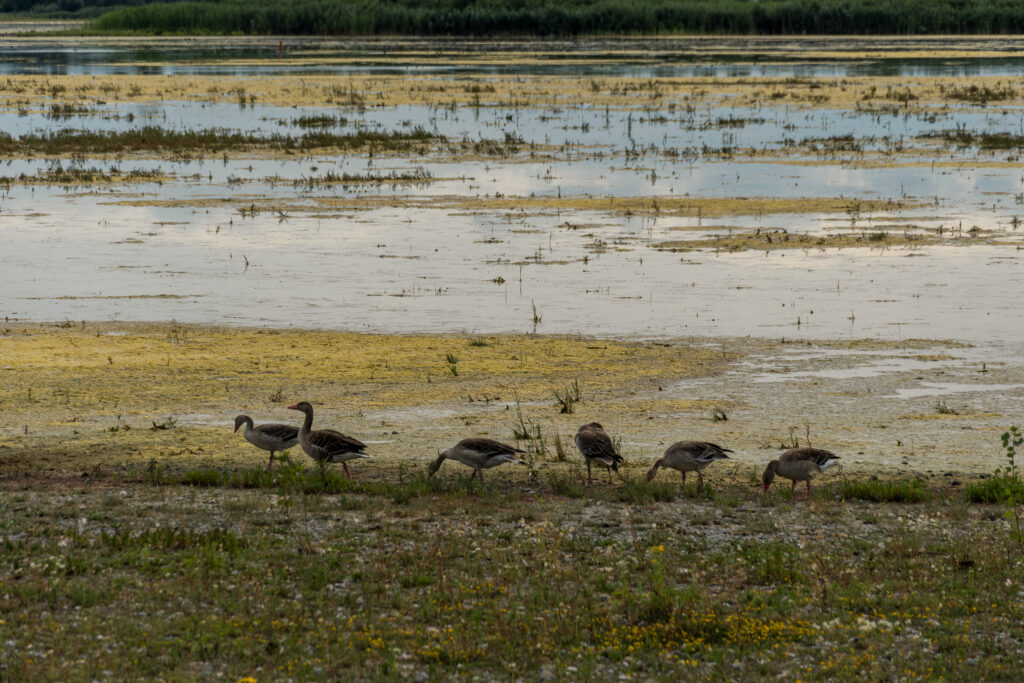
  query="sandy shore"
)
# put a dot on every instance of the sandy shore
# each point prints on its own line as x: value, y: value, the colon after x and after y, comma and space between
x: 114, y: 397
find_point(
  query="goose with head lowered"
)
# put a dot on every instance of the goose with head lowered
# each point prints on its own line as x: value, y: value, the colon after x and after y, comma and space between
x: 689, y: 456
x: 799, y: 464
x: 479, y: 453
x: 595, y: 445
x: 327, y: 445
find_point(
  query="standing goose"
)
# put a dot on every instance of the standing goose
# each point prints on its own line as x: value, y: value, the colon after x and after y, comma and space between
x: 480, y: 454
x: 595, y: 444
x: 269, y: 437
x: 327, y: 445
x: 689, y: 456
x: 799, y: 464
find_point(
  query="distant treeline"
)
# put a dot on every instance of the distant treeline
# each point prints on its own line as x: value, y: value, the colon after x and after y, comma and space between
x: 65, y: 8
x: 567, y: 17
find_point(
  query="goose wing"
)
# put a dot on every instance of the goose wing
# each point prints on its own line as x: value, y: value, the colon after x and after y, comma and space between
x: 822, y: 458
x: 278, y: 432
x: 701, y: 451
x: 711, y: 451
x: 595, y: 443
x: 330, y: 442
x: 489, y: 448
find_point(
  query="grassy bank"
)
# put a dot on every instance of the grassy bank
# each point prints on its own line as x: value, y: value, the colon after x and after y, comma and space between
x: 567, y: 18
x: 171, y: 582
x: 140, y: 537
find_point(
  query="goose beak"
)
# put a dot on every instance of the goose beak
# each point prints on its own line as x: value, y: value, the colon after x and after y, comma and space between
x: 293, y: 407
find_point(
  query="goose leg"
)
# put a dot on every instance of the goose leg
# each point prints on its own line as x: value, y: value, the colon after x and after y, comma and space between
x: 481, y: 475
x: 270, y: 465
x: 808, y: 489
x: 472, y: 476
x: 792, y: 488
x: 347, y: 473
x: 590, y: 479
x: 609, y: 475
x: 700, y: 481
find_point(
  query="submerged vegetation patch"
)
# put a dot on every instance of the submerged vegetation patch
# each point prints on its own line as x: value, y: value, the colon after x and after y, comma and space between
x: 769, y: 240
x: 76, y: 175
x: 157, y: 139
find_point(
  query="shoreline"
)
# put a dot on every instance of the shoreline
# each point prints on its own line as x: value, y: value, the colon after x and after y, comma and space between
x: 96, y: 397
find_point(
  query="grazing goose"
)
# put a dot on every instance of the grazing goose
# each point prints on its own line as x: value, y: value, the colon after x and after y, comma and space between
x: 689, y: 456
x: 595, y: 444
x: 480, y: 454
x: 327, y: 445
x: 799, y: 464
x: 269, y: 437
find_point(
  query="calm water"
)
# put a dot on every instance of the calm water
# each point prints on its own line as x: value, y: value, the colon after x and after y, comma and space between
x: 88, y: 253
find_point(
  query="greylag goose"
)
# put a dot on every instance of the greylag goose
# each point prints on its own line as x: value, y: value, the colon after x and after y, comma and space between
x: 689, y: 456
x: 480, y: 454
x: 595, y: 444
x: 799, y: 464
x: 269, y: 437
x: 327, y: 445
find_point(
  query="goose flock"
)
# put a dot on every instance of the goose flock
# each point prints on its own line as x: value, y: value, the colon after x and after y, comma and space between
x: 593, y: 442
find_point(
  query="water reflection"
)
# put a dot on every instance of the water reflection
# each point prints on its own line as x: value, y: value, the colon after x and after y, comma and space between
x: 651, y: 58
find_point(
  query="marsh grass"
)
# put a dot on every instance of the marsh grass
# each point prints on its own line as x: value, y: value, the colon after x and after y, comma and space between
x: 415, y: 177
x: 566, y: 483
x: 962, y: 137
x: 995, y: 489
x: 231, y: 583
x: 293, y: 479
x: 57, y: 174
x: 879, y: 491
x: 210, y: 140
x: 638, y: 490
x: 568, y: 397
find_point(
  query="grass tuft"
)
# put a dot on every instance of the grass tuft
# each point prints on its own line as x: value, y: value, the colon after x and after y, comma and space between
x: 640, y: 490
x: 896, y: 491
x: 1000, y: 489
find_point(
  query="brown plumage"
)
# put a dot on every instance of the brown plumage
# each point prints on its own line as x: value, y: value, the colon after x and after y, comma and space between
x: 478, y: 453
x: 799, y: 464
x: 269, y: 437
x: 595, y: 444
x: 327, y: 445
x: 689, y: 456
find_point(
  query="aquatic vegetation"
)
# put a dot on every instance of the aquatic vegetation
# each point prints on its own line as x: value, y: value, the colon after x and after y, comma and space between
x: 72, y: 175
x: 156, y: 139
x: 769, y: 240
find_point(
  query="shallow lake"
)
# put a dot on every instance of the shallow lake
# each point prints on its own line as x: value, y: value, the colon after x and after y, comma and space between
x: 420, y: 256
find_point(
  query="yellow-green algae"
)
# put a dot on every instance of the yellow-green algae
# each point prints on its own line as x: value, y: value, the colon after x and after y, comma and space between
x: 76, y: 396
x: 904, y: 93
